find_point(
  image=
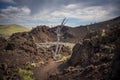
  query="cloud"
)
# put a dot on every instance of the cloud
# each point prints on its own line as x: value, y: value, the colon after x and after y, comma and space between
x: 75, y: 11
x: 16, y: 10
x: 52, y: 11
x: 13, y: 14
x: 36, y: 5
x: 71, y: 6
x: 8, y: 1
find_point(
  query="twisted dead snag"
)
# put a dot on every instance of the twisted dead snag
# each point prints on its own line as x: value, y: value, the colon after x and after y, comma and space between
x: 58, y: 31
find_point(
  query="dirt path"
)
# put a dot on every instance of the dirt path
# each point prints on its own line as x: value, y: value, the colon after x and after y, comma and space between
x: 50, y: 68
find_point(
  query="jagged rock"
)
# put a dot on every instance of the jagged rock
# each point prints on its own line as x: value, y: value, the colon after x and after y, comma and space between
x: 42, y: 34
x: 3, y: 43
x: 21, y: 41
x: 116, y: 59
x: 98, y: 56
x: 81, y: 58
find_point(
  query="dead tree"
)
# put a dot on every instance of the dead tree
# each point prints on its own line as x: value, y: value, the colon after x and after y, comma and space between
x: 58, y: 32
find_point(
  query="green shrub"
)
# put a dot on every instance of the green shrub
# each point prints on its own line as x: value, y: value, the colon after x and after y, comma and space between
x: 62, y: 57
x: 36, y: 64
x: 26, y: 74
x: 27, y: 78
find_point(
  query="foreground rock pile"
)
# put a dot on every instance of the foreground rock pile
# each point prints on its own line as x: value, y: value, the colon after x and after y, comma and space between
x: 14, y: 55
x: 19, y: 56
x: 96, y: 58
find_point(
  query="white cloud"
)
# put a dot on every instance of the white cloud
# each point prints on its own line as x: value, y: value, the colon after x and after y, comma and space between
x: 75, y: 11
x: 9, y: 1
x: 15, y: 13
x: 25, y: 10
x: 16, y: 10
x: 71, y: 6
x: 53, y: 16
x: 10, y: 9
x: 92, y: 13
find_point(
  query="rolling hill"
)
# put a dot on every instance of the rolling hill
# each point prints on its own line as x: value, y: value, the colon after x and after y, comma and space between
x: 13, y: 28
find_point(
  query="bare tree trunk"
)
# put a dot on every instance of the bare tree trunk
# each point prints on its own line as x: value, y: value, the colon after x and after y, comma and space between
x: 58, y: 48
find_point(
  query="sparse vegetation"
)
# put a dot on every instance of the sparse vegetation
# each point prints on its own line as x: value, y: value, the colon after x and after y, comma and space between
x: 65, y: 58
x: 62, y: 57
x: 26, y: 74
x: 36, y: 64
x: 28, y: 65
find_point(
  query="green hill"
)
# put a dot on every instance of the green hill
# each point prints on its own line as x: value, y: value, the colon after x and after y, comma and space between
x: 13, y: 28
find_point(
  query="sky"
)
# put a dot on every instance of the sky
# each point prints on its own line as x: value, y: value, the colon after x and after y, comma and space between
x: 31, y: 13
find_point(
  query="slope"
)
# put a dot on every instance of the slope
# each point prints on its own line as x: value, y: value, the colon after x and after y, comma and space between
x: 70, y: 34
x: 13, y: 28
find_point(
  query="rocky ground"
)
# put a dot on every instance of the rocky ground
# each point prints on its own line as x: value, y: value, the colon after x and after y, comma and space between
x: 97, y: 57
x: 21, y: 59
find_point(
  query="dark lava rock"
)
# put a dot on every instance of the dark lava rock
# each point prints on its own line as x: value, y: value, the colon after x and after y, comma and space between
x: 21, y: 41
x: 115, y: 74
x: 98, y: 57
x: 82, y: 58
x: 3, y: 43
x: 42, y: 34
x: 16, y: 52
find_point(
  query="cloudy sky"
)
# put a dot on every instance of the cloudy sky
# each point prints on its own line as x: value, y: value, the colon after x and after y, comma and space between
x: 51, y: 12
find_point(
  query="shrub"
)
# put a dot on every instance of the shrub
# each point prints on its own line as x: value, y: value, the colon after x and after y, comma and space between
x: 25, y: 74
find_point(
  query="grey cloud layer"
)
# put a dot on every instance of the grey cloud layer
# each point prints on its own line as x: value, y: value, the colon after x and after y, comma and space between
x: 52, y: 10
x: 35, y: 5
